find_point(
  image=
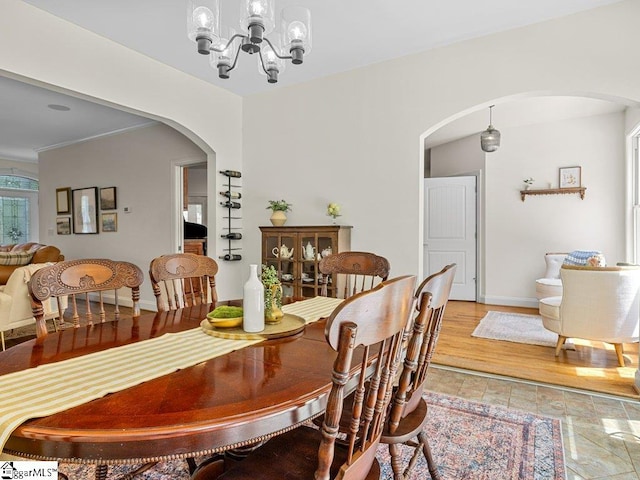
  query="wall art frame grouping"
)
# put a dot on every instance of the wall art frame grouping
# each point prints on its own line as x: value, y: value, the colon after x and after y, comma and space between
x: 108, y: 199
x: 570, y: 177
x: 85, y: 210
x: 63, y: 200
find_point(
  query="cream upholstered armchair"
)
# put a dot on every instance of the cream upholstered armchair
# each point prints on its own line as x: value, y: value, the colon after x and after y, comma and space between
x: 597, y: 303
x: 550, y: 285
x: 15, y: 302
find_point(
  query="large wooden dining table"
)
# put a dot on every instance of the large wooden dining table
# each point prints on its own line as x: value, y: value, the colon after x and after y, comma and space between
x: 226, y: 402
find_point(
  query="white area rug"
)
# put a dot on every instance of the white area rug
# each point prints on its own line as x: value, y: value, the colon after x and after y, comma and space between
x: 515, y: 327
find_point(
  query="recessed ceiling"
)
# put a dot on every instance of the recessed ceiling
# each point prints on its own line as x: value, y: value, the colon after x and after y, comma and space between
x: 28, y: 123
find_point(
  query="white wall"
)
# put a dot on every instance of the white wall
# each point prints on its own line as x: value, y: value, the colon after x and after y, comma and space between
x: 139, y: 164
x: 353, y: 138
x: 518, y: 234
x: 455, y: 158
x: 76, y: 61
x: 356, y: 138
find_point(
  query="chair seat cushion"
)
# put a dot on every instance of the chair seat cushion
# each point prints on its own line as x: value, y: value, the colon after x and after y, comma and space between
x: 550, y: 307
x: 548, y: 287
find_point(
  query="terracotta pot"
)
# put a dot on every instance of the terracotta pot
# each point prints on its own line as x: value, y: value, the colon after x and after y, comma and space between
x: 278, y: 218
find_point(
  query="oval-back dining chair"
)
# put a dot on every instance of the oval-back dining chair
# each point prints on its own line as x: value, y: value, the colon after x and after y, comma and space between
x: 182, y: 280
x: 306, y: 452
x: 352, y: 272
x: 86, y: 280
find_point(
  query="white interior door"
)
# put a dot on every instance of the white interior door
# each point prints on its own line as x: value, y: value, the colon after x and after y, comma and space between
x: 450, y: 231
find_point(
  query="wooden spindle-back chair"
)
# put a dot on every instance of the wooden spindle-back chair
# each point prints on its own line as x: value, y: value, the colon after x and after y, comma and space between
x: 87, y: 280
x: 182, y: 280
x: 408, y: 413
x: 307, y: 452
x: 352, y: 272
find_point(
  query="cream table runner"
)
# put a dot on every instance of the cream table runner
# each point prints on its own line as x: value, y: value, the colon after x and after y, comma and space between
x: 55, y: 387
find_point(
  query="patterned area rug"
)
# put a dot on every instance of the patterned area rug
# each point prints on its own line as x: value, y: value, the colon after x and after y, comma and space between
x: 469, y: 440
x: 515, y: 327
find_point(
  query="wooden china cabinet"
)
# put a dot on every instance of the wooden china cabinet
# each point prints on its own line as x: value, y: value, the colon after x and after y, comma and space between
x: 298, y: 271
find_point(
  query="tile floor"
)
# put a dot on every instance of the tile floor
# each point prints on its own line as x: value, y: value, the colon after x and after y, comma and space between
x: 601, y: 433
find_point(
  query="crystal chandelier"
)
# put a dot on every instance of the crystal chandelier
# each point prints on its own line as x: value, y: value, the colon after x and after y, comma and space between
x: 257, y: 19
x: 490, y: 138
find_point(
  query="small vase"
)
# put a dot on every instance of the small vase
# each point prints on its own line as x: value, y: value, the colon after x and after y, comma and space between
x: 272, y: 313
x: 253, y: 302
x: 278, y: 218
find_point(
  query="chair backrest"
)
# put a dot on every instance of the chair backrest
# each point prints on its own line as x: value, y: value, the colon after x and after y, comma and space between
x: 600, y: 303
x: 182, y: 280
x: 372, y: 322
x: 76, y: 279
x: 431, y: 300
x: 553, y: 262
x: 352, y: 272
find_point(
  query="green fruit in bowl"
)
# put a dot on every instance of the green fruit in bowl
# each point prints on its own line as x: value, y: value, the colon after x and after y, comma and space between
x: 225, y: 316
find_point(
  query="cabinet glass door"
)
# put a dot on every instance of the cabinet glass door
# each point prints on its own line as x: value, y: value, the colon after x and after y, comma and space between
x: 280, y: 251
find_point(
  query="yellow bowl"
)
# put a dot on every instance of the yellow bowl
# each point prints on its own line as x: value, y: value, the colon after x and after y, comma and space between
x: 224, y: 322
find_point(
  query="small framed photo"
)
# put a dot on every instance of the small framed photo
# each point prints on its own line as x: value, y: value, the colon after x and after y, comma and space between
x: 85, y: 210
x: 570, y: 177
x: 63, y: 225
x: 63, y: 200
x: 108, y: 198
x: 109, y: 222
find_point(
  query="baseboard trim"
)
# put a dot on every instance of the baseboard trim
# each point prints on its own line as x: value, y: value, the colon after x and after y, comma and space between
x: 510, y: 301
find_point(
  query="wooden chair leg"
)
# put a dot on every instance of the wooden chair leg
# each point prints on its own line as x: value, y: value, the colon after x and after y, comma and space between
x: 101, y: 472
x: 619, y: 352
x: 560, y: 343
x: 426, y: 449
x: 396, y: 461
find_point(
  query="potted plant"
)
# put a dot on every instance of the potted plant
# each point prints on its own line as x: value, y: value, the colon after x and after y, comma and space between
x: 279, y: 208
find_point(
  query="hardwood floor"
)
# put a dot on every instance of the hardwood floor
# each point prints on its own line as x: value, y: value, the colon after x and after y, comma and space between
x: 592, y: 366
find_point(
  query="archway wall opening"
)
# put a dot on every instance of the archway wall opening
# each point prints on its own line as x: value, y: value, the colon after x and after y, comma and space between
x: 77, y: 62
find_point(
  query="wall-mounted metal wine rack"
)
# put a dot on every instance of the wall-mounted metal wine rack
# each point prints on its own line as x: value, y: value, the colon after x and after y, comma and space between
x: 233, y: 233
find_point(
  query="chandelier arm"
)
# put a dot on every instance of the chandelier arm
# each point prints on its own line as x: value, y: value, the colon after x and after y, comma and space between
x: 235, y: 59
x: 264, y: 69
x: 220, y: 50
x: 275, y: 51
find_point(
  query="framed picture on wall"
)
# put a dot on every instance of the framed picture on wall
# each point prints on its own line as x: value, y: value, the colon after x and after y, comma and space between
x: 63, y: 200
x: 85, y: 210
x: 63, y: 225
x: 108, y: 198
x: 570, y: 177
x: 109, y: 222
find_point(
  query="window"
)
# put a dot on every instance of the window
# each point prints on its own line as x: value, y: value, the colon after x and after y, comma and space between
x: 18, y: 209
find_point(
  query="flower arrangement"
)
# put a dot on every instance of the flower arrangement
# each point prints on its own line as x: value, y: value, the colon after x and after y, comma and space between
x: 529, y: 181
x: 333, y: 210
x: 269, y: 277
x: 279, y: 206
